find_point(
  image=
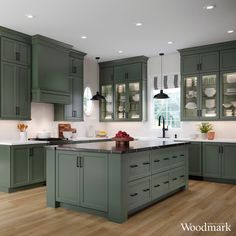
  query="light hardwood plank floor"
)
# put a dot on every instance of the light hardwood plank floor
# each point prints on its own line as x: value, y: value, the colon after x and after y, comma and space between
x: 25, y: 213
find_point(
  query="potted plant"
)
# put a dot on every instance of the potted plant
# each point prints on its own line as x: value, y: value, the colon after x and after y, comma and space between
x: 204, y: 128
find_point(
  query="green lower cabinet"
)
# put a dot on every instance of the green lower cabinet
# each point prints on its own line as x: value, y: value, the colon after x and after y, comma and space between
x: 81, y: 179
x: 229, y: 161
x: 160, y: 184
x: 139, y: 192
x: 195, y: 159
x: 219, y: 161
x: 67, y: 177
x: 211, y: 160
x: 22, y: 166
x: 38, y: 164
x: 177, y: 177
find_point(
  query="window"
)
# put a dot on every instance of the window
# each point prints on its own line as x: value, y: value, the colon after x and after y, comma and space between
x: 88, y: 104
x: 169, y: 108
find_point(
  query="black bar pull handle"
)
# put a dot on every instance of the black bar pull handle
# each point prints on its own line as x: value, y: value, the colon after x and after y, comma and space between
x: 146, y: 163
x: 156, y: 186
x: 174, y: 156
x: 167, y: 158
x: 166, y: 182
x: 133, y: 166
x: 156, y: 160
x: 174, y: 179
x: 181, y: 176
x: 133, y: 194
x: 146, y: 190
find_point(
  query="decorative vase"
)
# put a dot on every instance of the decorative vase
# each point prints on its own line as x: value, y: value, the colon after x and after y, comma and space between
x: 23, y: 136
x: 210, y: 135
x: 204, y: 135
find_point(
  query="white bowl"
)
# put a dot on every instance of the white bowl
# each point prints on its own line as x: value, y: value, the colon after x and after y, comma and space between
x: 231, y: 78
x: 233, y: 103
x: 191, y: 105
x: 43, y: 134
x: 210, y: 92
x: 227, y: 105
x: 67, y: 134
x: 136, y: 97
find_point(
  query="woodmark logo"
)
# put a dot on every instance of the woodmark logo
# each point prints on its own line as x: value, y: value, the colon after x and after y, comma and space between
x: 206, y: 227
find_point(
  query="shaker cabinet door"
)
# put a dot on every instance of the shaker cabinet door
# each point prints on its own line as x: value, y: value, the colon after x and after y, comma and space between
x: 190, y: 64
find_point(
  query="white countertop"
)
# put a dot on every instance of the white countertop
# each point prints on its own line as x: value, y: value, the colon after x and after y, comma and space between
x: 18, y: 142
x: 89, y: 138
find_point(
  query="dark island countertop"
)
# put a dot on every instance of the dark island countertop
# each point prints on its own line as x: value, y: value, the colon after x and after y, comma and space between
x: 110, y: 146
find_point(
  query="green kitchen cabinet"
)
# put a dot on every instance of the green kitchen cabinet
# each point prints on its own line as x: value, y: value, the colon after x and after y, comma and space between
x: 195, y: 159
x: 229, y: 161
x: 82, y: 179
x: 211, y: 160
x: 15, y: 92
x: 74, y: 110
x: 51, y: 82
x: 21, y: 166
x: 219, y: 161
x: 200, y: 62
x: 37, y: 164
x: 208, y: 82
x: 228, y: 59
x: 13, y: 51
x: 124, y: 84
x: 15, y: 75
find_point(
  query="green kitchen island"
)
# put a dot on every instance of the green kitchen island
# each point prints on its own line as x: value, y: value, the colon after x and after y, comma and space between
x: 112, y: 181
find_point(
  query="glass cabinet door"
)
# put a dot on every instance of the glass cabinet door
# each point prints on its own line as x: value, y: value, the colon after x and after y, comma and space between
x: 229, y: 95
x: 120, y: 101
x: 209, y: 96
x: 107, y: 107
x: 190, y: 98
x: 134, y: 104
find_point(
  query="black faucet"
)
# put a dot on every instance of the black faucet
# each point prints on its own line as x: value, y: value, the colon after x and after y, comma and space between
x: 163, y: 125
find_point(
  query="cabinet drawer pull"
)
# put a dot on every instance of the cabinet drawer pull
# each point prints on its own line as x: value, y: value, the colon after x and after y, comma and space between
x: 174, y: 179
x: 166, y: 182
x: 174, y: 156
x: 78, y: 161
x: 156, y: 160
x: 156, y: 186
x: 146, y: 163
x: 133, y: 166
x: 182, y: 155
x: 146, y: 190
x: 133, y: 194
x: 167, y: 158
x: 181, y: 176
x: 74, y: 69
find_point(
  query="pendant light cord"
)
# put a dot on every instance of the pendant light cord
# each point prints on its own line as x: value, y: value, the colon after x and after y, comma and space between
x: 97, y: 58
x: 161, y: 54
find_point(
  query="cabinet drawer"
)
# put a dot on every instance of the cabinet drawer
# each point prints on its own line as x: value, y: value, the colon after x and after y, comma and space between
x: 177, y: 177
x: 160, y: 160
x: 177, y: 158
x: 160, y: 184
x: 138, y: 193
x: 138, y: 166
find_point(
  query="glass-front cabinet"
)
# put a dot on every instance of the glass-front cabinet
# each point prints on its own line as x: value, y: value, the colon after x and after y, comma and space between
x: 123, y: 83
x: 128, y: 101
x: 228, y: 95
x: 107, y: 106
x: 200, y: 97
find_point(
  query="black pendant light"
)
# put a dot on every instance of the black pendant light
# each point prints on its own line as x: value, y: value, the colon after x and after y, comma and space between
x: 97, y: 96
x: 161, y: 95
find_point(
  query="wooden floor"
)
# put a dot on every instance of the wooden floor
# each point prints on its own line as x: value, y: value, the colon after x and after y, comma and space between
x: 25, y: 213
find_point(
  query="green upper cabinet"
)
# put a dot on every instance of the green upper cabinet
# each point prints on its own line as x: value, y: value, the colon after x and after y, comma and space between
x: 51, y: 82
x: 15, y: 75
x: 124, y: 85
x: 15, y: 92
x: 208, y: 82
x: 73, y: 111
x: 15, y: 52
x: 200, y: 63
x: 228, y: 59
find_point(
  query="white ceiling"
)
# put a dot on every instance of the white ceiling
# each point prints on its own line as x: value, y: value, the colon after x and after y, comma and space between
x: 110, y: 24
